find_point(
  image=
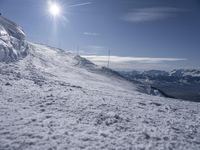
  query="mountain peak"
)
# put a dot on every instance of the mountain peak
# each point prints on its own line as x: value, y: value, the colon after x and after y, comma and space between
x: 13, y: 45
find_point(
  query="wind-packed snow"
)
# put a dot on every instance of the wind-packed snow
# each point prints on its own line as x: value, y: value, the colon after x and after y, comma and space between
x: 53, y: 99
x: 12, y: 41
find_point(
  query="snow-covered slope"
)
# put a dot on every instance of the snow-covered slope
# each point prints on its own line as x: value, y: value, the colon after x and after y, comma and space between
x: 12, y: 41
x: 53, y: 99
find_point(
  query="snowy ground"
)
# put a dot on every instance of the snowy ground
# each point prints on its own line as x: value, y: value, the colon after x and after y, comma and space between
x: 55, y: 100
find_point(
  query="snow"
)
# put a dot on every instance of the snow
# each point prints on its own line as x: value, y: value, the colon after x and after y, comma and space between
x: 53, y: 99
x: 50, y: 102
x: 12, y: 41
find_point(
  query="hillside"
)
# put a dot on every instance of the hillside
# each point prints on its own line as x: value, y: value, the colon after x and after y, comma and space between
x: 53, y: 99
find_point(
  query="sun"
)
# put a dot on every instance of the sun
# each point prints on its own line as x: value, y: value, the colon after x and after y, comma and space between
x: 54, y: 9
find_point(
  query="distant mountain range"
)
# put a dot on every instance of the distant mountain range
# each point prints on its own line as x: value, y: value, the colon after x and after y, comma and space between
x: 181, y: 83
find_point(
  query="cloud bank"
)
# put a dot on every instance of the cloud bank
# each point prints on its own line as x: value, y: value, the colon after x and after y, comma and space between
x: 118, y: 59
x: 151, y: 14
x: 130, y: 63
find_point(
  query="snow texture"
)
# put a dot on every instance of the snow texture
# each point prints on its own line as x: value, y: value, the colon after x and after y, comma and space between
x: 55, y: 100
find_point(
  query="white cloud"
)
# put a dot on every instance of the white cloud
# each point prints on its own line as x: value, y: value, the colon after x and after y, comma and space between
x: 91, y: 33
x: 128, y: 63
x: 81, y: 4
x: 118, y: 59
x: 151, y: 14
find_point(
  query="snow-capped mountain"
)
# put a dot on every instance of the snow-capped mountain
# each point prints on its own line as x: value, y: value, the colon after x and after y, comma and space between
x: 54, y: 99
x: 12, y: 41
x: 182, y: 84
x: 173, y: 73
x: 185, y: 72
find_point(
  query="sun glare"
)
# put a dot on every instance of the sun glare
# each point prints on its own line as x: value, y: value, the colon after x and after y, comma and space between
x: 54, y: 9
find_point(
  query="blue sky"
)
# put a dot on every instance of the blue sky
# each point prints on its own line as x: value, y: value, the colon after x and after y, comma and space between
x: 129, y: 28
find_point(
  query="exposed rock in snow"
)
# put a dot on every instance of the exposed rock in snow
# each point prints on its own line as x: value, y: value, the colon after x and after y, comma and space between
x: 53, y: 99
x: 12, y: 41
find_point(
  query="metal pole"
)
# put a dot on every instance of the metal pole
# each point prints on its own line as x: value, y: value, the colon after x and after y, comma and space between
x: 78, y: 50
x: 108, y: 58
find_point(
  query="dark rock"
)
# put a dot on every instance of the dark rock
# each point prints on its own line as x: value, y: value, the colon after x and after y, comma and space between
x: 8, y: 84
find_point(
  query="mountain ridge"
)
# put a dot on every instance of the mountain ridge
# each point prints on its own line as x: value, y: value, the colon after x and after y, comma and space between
x: 174, y: 83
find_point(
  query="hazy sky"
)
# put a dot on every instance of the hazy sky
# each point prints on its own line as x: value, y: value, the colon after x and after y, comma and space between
x: 134, y: 28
